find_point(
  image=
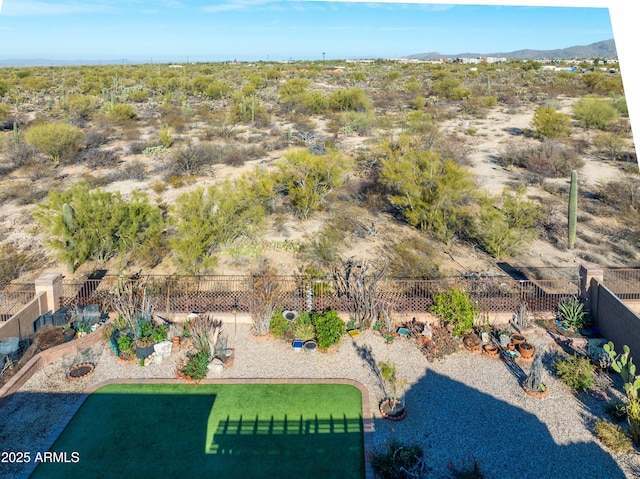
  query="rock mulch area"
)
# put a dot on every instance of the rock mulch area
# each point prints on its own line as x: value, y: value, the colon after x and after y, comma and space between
x: 464, y: 407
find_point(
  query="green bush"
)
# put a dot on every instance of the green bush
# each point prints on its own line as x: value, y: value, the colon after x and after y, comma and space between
x: 120, y: 114
x: 197, y: 366
x: 278, y: 324
x: 393, y: 462
x: 613, y: 437
x: 57, y: 140
x: 303, y: 327
x: 329, y: 328
x: 576, y: 372
x: 454, y: 307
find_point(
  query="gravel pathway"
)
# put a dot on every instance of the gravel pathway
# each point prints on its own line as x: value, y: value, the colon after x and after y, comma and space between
x: 462, y: 408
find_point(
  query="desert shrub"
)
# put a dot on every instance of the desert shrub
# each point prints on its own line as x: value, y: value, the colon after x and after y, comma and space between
x: 549, y: 123
x: 613, y: 436
x: 95, y: 138
x: 397, y: 461
x: 95, y: 158
x: 120, y: 114
x: 356, y: 122
x: 610, y: 144
x: 622, y: 194
x: 576, y: 372
x: 16, y: 261
x: 329, y: 328
x: 191, y: 159
x: 413, y: 258
x: 57, y: 140
x: 322, y: 250
x: 594, y: 112
x: 135, y: 170
x: 547, y: 159
x: 456, y: 308
x: 353, y: 99
x: 278, y: 324
x: 80, y: 107
x: 138, y: 96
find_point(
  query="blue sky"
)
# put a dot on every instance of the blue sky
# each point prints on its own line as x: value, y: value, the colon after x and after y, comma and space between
x: 208, y: 30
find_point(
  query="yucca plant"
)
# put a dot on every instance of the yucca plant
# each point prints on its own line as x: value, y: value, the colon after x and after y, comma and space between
x: 571, y: 312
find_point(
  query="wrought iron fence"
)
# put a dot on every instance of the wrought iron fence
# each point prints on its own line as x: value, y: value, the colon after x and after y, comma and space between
x: 183, y: 294
x: 12, y: 301
x: 623, y: 282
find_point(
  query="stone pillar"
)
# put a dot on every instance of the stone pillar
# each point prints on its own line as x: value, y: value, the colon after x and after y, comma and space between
x: 588, y: 287
x: 51, y: 285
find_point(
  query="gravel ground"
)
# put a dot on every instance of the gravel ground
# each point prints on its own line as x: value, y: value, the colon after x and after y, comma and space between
x: 462, y: 408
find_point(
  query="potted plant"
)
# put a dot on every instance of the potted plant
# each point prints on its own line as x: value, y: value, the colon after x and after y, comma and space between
x: 472, y: 342
x: 391, y: 407
x: 125, y: 351
x: 533, y: 384
x: 68, y: 332
x: 82, y: 328
x: 144, y: 338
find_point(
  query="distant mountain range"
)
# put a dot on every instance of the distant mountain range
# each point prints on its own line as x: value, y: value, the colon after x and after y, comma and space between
x: 604, y: 49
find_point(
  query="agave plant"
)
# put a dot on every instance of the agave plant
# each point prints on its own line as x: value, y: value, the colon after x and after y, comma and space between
x: 571, y: 312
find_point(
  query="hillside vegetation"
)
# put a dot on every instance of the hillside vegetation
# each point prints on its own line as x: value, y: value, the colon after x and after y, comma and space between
x: 436, y: 169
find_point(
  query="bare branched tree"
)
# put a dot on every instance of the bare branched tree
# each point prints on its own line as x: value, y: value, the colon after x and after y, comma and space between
x: 357, y: 282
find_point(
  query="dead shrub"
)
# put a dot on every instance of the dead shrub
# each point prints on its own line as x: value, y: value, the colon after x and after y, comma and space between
x: 546, y: 159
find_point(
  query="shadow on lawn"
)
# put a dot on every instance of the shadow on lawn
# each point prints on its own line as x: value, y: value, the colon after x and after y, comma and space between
x: 453, y: 422
x: 190, y: 433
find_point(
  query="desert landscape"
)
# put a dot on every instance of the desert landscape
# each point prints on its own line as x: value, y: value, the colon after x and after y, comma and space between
x: 162, y: 131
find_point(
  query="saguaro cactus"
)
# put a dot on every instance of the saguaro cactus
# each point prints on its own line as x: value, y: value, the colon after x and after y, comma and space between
x: 68, y: 220
x: 573, y: 208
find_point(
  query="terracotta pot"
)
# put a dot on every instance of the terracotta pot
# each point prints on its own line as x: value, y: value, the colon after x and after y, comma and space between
x: 526, y: 350
x: 491, y: 350
x: 536, y: 394
x: 517, y: 339
x: 511, y: 347
x: 176, y: 340
x: 397, y: 413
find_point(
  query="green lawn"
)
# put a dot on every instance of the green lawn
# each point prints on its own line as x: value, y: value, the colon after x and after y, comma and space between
x: 212, y: 430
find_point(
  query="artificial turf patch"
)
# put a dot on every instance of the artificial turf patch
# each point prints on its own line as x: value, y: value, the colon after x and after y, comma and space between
x: 236, y: 430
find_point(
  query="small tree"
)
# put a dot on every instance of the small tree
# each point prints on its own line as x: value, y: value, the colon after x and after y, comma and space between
x: 307, y: 179
x: 454, y: 307
x: 265, y: 299
x: 594, y: 112
x: 57, y: 140
x: 549, y: 123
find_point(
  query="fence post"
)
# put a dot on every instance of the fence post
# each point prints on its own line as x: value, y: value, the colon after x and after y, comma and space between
x: 51, y: 285
x: 589, y: 294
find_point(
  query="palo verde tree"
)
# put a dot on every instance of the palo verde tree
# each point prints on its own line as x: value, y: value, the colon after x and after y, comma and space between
x: 83, y: 224
x: 56, y: 140
x: 431, y: 191
x: 507, y: 224
x: 595, y: 112
x: 307, y: 179
x: 549, y: 123
x: 204, y: 220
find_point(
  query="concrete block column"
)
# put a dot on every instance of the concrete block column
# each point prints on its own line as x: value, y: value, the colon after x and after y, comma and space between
x: 590, y: 276
x: 51, y: 285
